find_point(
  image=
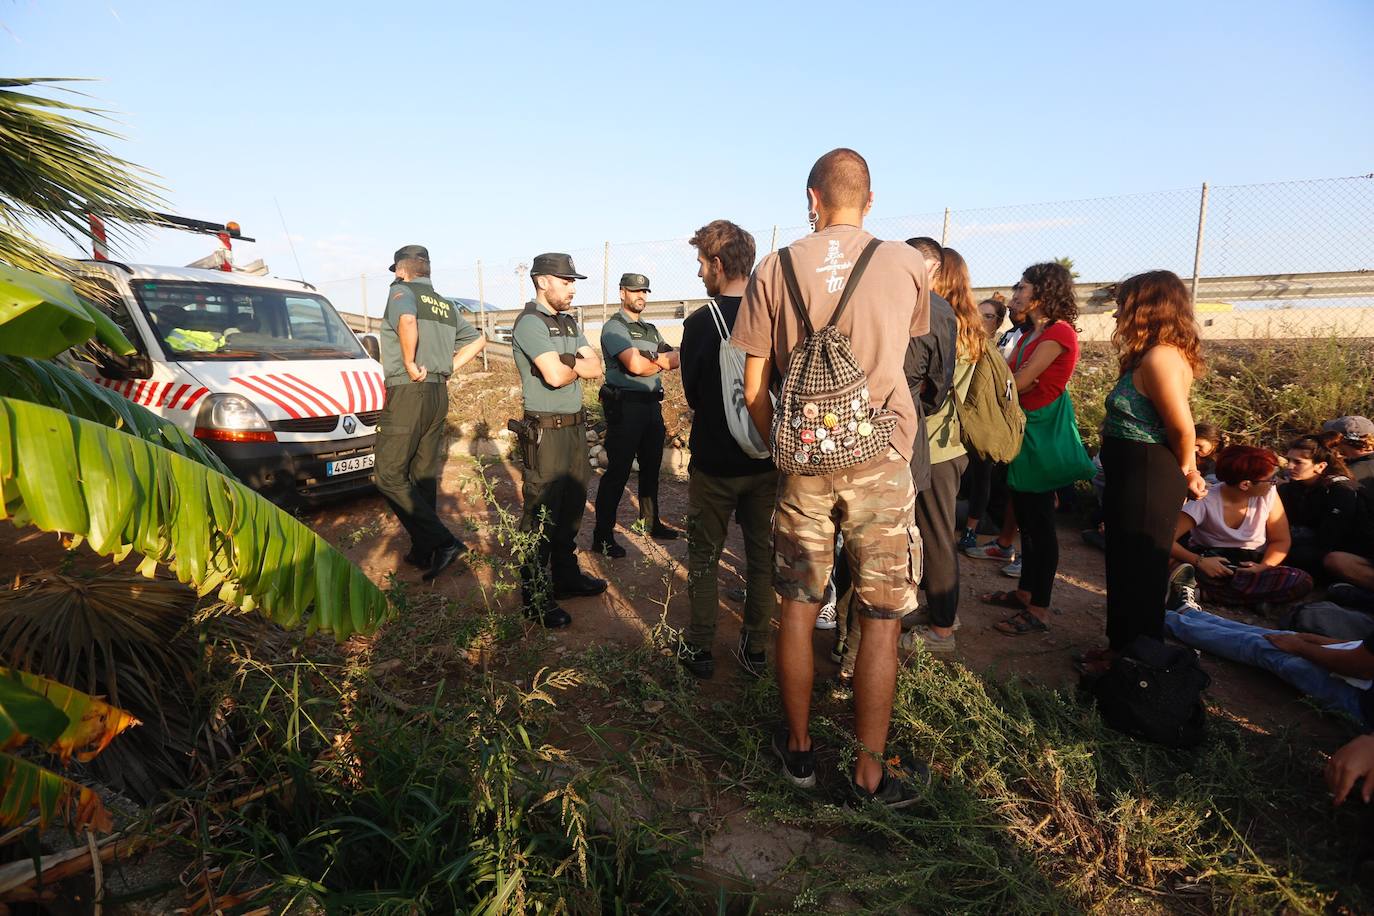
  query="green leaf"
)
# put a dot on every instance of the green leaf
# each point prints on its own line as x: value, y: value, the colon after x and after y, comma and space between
x: 211, y: 530
x: 40, y: 316
x: 26, y: 713
x: 91, y: 723
x: 27, y: 786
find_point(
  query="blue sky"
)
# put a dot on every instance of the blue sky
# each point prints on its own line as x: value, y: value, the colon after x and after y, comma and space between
x: 501, y: 130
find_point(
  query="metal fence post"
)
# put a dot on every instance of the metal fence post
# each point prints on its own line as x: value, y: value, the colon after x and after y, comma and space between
x: 605, y: 282
x: 944, y: 233
x: 486, y: 319
x: 773, y: 245
x: 367, y: 322
x: 1197, y: 252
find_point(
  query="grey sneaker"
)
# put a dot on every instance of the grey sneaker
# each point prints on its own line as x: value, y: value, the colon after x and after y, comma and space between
x: 921, y: 616
x: 1183, y: 590
x: 825, y: 620
x: 990, y: 551
x: 799, y: 767
x: 922, y: 634
x: 898, y: 789
x: 1013, y: 568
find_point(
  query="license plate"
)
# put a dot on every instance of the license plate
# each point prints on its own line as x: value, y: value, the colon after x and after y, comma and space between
x: 349, y: 465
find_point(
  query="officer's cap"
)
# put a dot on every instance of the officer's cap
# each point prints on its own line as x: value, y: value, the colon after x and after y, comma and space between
x: 408, y: 251
x: 555, y: 264
x: 635, y: 282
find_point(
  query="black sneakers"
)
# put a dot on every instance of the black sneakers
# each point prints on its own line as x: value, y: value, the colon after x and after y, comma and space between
x: 661, y: 532
x: 698, y: 662
x: 751, y: 658
x: 443, y: 558
x: 1182, y: 590
x: 799, y: 767
x: 897, y: 789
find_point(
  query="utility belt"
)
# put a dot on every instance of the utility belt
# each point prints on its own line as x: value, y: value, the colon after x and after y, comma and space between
x: 529, y: 429
x: 612, y: 393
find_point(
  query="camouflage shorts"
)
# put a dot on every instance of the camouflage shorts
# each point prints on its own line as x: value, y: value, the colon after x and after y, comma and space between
x: 874, y: 508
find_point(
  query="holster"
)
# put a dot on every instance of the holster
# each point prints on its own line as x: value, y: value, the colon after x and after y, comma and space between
x: 528, y: 433
x: 611, y: 404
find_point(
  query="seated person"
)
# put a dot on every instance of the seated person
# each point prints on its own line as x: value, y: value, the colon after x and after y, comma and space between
x: 1334, y: 673
x: 1353, y: 567
x: 1236, y: 537
x: 1356, y: 447
x: 1207, y: 439
x: 1319, y: 499
x: 1353, y: 762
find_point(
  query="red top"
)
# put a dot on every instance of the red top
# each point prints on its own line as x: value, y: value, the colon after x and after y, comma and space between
x: 1055, y: 378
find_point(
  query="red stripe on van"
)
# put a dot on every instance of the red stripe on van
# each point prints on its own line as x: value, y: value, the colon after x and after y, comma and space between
x: 195, y: 396
x: 255, y: 386
x: 338, y: 408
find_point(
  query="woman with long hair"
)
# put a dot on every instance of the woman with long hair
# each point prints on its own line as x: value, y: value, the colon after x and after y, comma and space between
x: 978, y: 477
x: 1148, y: 455
x: 935, y: 504
x: 1320, y: 500
x: 1052, y: 454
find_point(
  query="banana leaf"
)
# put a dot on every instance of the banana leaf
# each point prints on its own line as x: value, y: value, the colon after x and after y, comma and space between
x: 67, y: 723
x: 53, y: 385
x: 125, y: 495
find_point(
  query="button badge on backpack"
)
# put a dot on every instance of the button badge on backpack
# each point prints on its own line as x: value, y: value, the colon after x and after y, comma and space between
x: 808, y: 436
x: 865, y: 429
x: 810, y: 411
x: 828, y: 445
x: 796, y: 421
x: 802, y: 457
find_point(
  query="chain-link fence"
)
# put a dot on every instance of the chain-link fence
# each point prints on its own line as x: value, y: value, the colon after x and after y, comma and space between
x: 1292, y: 259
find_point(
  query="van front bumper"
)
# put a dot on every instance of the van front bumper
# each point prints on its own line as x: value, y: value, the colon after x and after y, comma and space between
x: 292, y: 472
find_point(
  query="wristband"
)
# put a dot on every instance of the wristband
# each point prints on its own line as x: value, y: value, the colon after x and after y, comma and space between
x: 568, y: 359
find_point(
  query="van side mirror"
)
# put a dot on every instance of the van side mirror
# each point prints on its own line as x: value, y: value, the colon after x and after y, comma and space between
x: 373, y: 346
x: 120, y: 368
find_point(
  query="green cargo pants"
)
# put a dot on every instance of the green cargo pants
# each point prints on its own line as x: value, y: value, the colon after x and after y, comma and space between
x: 409, y: 449
x: 711, y: 501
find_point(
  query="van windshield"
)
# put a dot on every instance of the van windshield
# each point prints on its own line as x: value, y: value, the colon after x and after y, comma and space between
x: 199, y: 321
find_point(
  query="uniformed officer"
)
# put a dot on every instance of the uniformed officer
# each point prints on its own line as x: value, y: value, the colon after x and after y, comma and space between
x: 424, y: 339
x: 553, y: 359
x: 635, y: 354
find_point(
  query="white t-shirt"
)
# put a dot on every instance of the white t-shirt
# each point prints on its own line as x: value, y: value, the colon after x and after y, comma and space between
x: 1212, y: 530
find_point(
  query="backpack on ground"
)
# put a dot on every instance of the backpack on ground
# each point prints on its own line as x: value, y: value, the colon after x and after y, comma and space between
x: 825, y: 421
x: 991, y: 421
x: 1154, y: 691
x: 737, y: 419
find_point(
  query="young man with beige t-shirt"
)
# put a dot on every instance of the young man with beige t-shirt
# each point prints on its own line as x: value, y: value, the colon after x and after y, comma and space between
x: 871, y: 505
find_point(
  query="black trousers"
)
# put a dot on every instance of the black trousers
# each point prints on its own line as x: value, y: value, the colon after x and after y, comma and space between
x: 634, y: 430
x: 979, y: 476
x: 1039, y: 544
x: 935, y: 519
x: 555, y: 493
x: 1140, y: 507
x: 410, y: 458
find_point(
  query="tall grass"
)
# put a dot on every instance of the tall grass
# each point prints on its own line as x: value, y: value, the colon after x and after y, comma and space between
x: 1261, y: 392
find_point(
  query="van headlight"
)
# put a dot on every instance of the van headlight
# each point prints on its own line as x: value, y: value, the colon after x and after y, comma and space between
x: 232, y: 418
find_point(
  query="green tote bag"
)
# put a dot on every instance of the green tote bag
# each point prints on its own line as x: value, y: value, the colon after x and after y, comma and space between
x: 1052, y: 453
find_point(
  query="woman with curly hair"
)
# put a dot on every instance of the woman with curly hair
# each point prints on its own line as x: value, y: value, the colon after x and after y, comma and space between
x: 1052, y: 454
x: 1148, y: 455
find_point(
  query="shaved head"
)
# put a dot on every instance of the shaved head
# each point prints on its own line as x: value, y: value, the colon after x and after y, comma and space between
x: 840, y: 179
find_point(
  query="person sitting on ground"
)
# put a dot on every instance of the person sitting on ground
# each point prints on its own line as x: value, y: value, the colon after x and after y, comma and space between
x: 1235, y: 539
x: 1319, y: 499
x: 1353, y: 762
x: 1334, y: 673
x: 1356, y: 447
x: 1207, y: 438
x: 1353, y: 567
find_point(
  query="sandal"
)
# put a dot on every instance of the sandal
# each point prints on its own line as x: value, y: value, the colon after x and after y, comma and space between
x: 1022, y: 624
x: 1007, y: 599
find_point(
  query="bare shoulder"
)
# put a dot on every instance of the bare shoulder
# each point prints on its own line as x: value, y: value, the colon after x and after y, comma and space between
x: 1165, y: 358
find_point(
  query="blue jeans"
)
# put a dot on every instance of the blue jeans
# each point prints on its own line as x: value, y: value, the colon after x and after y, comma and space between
x: 1243, y: 643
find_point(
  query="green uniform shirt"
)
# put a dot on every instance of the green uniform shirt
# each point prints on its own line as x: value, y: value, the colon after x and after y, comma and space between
x: 532, y: 336
x: 441, y: 327
x: 619, y: 334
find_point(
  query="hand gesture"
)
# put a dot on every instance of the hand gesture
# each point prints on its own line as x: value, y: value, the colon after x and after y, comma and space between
x: 1348, y: 766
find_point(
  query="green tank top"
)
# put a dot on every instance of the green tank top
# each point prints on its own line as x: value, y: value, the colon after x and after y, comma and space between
x: 1131, y: 415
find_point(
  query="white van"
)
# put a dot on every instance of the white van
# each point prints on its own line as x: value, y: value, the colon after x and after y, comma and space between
x: 263, y: 370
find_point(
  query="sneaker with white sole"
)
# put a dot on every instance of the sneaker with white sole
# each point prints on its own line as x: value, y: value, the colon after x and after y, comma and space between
x: 923, y: 635
x: 1013, y: 569
x: 1183, y: 590
x: 799, y: 767
x: 990, y: 551
x: 825, y: 620
x: 921, y: 616
x: 967, y: 541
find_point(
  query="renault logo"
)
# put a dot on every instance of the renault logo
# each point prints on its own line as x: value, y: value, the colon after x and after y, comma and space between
x: 350, y: 425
